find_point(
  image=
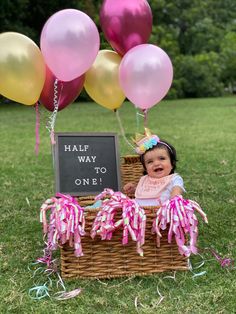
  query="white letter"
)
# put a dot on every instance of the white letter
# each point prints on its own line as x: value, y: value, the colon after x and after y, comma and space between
x: 103, y: 170
x: 86, y: 181
x: 93, y: 158
x: 81, y: 158
x: 94, y: 181
x: 67, y: 147
x: 74, y: 148
x: 77, y: 181
x: 96, y: 169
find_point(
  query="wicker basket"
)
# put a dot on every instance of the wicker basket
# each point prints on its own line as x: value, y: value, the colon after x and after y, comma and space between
x: 108, y: 259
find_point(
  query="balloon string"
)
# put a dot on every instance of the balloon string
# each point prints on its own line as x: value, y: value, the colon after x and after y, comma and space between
x: 145, y: 117
x: 52, y: 118
x: 51, y: 121
x: 138, y: 115
x: 37, y: 124
x: 122, y: 129
x: 137, y: 120
x: 54, y: 114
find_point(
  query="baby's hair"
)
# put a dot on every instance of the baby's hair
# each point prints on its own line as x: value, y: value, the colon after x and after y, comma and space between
x: 169, y: 148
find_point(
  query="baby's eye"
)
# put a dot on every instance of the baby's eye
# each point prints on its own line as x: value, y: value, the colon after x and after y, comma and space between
x: 149, y: 162
x: 162, y: 158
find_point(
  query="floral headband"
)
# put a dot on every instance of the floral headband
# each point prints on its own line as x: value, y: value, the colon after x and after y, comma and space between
x: 147, y: 141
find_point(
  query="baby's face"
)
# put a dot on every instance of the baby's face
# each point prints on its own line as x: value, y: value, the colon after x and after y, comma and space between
x: 157, y: 163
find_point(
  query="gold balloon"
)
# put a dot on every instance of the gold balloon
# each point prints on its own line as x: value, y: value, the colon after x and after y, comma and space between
x: 102, y: 80
x: 22, y: 68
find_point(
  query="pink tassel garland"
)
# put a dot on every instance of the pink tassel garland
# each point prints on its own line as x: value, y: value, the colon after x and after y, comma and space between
x: 66, y: 223
x: 179, y: 214
x: 133, y: 219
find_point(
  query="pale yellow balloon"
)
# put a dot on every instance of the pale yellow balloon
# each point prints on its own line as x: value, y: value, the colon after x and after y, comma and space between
x: 22, y: 68
x: 102, y: 80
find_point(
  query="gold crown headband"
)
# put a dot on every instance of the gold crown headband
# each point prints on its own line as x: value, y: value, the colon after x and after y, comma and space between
x: 147, y: 141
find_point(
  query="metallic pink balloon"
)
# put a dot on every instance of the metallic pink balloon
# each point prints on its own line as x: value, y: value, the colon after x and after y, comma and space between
x: 67, y: 91
x: 126, y: 23
x: 145, y: 75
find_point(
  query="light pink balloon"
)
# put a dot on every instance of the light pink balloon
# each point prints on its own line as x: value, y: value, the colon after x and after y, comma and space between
x: 126, y: 23
x: 69, y: 43
x: 145, y: 75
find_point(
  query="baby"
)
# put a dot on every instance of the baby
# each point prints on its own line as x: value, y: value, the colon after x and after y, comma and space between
x: 160, y: 182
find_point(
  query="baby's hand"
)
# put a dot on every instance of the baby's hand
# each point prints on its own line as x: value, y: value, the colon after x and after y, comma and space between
x: 129, y: 188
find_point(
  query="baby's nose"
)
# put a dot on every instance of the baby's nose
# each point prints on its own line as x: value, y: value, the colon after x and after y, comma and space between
x: 156, y: 162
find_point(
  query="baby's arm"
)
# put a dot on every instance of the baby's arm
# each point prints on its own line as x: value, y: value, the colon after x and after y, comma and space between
x: 177, y: 190
x: 178, y: 186
x: 129, y: 188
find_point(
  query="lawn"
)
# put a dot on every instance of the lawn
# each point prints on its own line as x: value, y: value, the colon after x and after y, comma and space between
x: 203, y: 132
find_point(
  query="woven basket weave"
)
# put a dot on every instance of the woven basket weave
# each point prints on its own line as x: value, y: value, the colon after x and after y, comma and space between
x: 109, y: 258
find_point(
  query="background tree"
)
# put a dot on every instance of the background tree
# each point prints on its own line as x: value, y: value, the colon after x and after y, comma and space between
x: 198, y: 35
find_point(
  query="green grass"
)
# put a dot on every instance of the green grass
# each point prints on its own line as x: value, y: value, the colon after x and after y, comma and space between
x: 203, y: 132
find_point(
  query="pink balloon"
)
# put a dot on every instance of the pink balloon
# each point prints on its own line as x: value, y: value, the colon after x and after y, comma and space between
x: 69, y: 43
x: 126, y: 23
x: 67, y: 91
x: 145, y: 75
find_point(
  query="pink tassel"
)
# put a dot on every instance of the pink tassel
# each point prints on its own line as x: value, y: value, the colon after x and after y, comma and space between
x: 133, y: 218
x: 66, y: 223
x: 179, y: 213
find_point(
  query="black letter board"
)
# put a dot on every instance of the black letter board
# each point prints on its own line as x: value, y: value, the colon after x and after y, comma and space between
x: 86, y: 163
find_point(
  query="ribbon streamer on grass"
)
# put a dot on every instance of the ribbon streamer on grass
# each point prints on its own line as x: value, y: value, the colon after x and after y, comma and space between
x: 39, y: 292
x: 67, y: 295
x: 199, y: 265
x: 225, y: 262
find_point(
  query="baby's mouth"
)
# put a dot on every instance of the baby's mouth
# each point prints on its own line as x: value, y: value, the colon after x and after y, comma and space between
x: 158, y: 169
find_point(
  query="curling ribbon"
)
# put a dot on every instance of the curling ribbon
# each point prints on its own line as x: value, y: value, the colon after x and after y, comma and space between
x: 179, y: 214
x: 225, y: 262
x: 56, y: 102
x: 133, y: 218
x: 41, y: 291
x: 66, y: 224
